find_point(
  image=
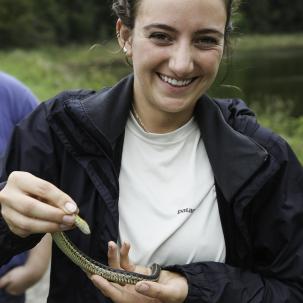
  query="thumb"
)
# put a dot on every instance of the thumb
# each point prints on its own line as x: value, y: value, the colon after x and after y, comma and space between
x: 152, y: 290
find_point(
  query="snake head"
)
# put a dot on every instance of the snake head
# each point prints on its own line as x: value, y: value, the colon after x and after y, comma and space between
x: 82, y: 225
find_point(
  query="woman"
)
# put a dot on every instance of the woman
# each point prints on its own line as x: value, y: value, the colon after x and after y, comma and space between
x: 192, y: 183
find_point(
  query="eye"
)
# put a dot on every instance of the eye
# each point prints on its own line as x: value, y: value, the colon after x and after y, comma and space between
x: 160, y: 38
x: 207, y: 42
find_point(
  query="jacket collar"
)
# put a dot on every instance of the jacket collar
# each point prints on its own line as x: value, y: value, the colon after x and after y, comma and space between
x: 234, y: 157
x: 108, y: 110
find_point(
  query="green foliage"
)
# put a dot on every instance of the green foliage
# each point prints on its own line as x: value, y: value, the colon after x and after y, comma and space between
x: 13, y: 19
x: 47, y: 71
x: 31, y: 23
x: 275, y: 114
x: 272, y: 16
x: 263, y: 42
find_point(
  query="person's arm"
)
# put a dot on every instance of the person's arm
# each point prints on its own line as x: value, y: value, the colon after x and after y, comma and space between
x: 28, y: 104
x: 30, y: 205
x: 19, y: 279
x: 276, y: 275
x: 38, y: 259
x: 170, y: 288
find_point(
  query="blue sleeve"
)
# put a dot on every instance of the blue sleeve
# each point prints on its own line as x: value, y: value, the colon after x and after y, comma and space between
x: 17, y: 97
x: 26, y: 104
x: 16, y: 102
x: 33, y: 134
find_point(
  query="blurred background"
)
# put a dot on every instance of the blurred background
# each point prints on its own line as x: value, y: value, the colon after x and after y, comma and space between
x: 52, y: 45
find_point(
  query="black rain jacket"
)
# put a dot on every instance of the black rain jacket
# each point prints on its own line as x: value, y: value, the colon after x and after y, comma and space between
x: 75, y: 141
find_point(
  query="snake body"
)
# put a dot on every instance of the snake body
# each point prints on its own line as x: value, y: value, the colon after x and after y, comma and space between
x: 94, y: 267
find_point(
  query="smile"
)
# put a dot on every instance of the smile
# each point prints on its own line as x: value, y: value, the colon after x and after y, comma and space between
x: 175, y: 82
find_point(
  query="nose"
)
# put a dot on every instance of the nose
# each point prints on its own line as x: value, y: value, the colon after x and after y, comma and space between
x: 181, y: 61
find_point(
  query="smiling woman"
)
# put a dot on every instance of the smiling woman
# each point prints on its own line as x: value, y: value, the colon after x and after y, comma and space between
x: 175, y: 59
x: 165, y: 174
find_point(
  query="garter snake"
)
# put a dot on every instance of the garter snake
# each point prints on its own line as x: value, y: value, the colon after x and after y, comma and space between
x: 94, y: 267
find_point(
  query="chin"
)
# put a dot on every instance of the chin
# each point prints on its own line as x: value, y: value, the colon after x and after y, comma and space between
x: 175, y: 105
x: 174, y: 108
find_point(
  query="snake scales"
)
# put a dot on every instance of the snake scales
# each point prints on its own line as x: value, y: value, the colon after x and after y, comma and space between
x: 94, y: 267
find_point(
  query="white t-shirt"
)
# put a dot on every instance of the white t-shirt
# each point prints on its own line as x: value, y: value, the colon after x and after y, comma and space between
x: 168, y: 205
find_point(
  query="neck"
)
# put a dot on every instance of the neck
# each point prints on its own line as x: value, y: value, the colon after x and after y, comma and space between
x: 138, y: 119
x: 159, y: 122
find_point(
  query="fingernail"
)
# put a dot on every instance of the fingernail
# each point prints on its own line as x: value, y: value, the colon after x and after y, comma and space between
x: 64, y: 227
x: 70, y: 207
x: 111, y: 246
x: 142, y: 287
x: 68, y: 219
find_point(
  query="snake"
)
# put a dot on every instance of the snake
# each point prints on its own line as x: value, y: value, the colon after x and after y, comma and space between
x: 92, y: 266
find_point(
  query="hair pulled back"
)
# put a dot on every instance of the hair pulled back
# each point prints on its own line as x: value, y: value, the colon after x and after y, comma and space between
x: 126, y: 10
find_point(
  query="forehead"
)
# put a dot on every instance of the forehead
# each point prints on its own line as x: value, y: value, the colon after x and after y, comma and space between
x: 180, y: 13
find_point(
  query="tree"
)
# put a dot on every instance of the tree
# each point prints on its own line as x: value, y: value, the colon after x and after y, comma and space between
x: 274, y: 16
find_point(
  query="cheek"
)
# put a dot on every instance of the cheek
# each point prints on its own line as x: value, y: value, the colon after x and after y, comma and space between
x: 146, y: 55
x: 141, y: 49
x: 210, y: 62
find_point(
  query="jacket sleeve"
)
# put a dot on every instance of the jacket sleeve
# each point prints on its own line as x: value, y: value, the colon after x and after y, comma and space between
x: 31, y: 150
x: 276, y: 232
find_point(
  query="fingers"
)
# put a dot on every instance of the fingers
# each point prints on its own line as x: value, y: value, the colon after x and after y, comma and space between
x: 163, y: 293
x: 108, y: 289
x: 152, y: 289
x: 24, y: 226
x: 119, y: 259
x: 33, y: 208
x: 34, y: 186
x: 32, y: 205
x: 125, y: 262
x: 113, y: 255
x: 171, y: 287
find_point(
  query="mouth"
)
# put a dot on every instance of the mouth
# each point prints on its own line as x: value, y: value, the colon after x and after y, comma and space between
x: 177, y: 82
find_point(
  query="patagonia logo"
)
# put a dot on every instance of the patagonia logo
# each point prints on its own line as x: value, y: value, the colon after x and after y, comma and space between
x: 185, y: 210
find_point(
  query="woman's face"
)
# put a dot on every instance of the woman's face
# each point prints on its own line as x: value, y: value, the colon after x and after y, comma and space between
x: 176, y: 47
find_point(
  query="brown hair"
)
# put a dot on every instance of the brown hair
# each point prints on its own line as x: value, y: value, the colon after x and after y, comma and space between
x: 126, y: 10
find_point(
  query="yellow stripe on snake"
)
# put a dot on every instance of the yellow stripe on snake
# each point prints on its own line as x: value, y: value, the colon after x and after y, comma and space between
x: 94, y: 267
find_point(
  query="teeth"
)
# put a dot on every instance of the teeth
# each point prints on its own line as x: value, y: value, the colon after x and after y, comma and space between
x: 176, y: 82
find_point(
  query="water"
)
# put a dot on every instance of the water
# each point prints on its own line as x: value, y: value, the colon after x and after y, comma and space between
x: 262, y: 77
x: 265, y: 77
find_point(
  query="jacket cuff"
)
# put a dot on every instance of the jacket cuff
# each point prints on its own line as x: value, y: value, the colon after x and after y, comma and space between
x: 199, y: 290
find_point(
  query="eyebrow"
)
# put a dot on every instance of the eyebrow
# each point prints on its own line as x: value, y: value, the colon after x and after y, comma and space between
x: 173, y: 30
x: 210, y: 31
x: 160, y: 26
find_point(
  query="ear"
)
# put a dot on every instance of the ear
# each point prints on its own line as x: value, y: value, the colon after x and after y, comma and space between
x: 124, y: 35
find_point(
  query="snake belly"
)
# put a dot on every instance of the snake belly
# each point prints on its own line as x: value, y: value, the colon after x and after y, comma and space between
x: 94, y: 267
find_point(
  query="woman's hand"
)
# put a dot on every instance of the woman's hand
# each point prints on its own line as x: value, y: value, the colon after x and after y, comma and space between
x: 32, y: 205
x: 171, y: 287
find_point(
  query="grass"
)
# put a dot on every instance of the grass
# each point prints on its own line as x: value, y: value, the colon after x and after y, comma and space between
x: 47, y: 71
x: 50, y: 70
x: 262, y: 42
x: 277, y: 116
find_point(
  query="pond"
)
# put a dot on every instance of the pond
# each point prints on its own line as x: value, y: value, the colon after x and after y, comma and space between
x: 261, y: 77
x: 265, y: 77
